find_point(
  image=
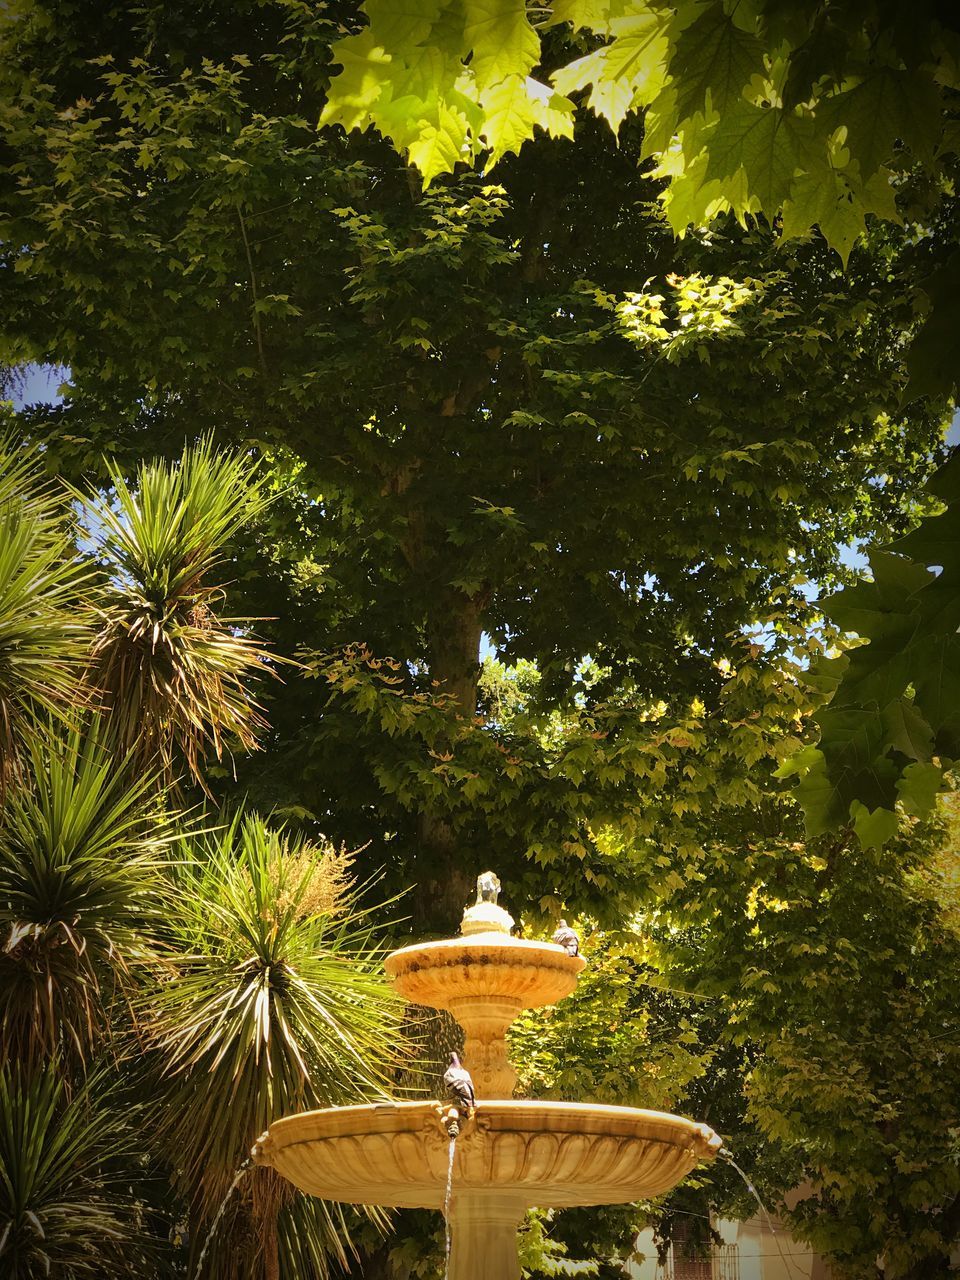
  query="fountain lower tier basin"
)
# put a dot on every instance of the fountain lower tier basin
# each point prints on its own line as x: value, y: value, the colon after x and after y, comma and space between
x: 512, y: 1153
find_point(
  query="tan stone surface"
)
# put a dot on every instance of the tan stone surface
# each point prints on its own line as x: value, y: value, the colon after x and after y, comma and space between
x: 510, y: 1155
x: 486, y: 917
x: 547, y: 1154
x: 485, y: 980
x: 485, y: 964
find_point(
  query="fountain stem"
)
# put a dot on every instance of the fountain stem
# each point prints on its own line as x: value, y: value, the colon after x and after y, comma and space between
x: 484, y: 1229
x: 485, y: 1020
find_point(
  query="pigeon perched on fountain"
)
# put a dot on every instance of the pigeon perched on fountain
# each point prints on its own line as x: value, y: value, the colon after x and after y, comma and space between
x: 567, y: 938
x: 459, y: 1085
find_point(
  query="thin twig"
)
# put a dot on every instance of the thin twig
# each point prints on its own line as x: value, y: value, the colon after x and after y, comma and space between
x: 256, y: 300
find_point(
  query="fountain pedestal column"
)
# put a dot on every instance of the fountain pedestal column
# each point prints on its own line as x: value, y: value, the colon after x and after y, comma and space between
x: 484, y: 1230
x: 485, y: 1020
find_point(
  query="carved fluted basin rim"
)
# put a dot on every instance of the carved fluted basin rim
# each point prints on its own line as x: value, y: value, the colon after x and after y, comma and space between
x: 557, y: 1154
x: 534, y: 973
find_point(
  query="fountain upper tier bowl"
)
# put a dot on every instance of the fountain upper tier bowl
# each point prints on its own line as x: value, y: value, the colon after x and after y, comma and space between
x: 559, y: 1154
x: 485, y: 980
x: 455, y: 971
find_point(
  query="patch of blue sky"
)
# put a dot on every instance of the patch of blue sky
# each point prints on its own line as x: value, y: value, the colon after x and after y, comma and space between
x: 41, y: 385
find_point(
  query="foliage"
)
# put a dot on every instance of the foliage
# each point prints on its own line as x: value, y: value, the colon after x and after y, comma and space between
x: 275, y: 1002
x: 42, y: 628
x: 123, y: 966
x: 175, y: 676
x: 81, y: 848
x: 806, y: 109
x: 891, y: 727
x: 810, y: 115
x: 833, y: 963
x: 617, y: 1040
x: 502, y: 410
x: 67, y: 1205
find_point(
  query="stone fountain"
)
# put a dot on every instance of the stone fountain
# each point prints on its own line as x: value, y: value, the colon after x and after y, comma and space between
x: 509, y: 1155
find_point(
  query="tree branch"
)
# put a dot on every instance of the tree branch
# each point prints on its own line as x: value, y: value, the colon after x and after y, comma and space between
x: 253, y: 288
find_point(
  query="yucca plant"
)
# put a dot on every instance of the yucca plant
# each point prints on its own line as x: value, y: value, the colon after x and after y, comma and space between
x: 43, y: 626
x: 174, y: 675
x: 69, y: 1165
x: 81, y: 844
x: 278, y: 1003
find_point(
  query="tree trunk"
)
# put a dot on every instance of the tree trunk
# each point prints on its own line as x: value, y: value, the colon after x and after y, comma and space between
x: 448, y: 873
x: 271, y: 1247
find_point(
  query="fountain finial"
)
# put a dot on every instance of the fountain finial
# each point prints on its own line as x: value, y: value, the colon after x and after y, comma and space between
x: 485, y: 916
x: 488, y: 887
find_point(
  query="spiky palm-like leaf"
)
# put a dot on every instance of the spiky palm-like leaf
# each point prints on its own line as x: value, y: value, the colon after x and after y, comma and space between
x: 42, y: 631
x: 174, y: 675
x: 275, y: 1007
x: 67, y: 1163
x: 80, y: 850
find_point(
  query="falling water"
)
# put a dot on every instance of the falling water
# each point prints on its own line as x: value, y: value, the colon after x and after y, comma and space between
x: 725, y: 1154
x: 219, y: 1214
x: 446, y: 1204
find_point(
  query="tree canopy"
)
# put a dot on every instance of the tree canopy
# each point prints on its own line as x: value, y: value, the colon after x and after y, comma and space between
x: 808, y: 115
x: 524, y: 410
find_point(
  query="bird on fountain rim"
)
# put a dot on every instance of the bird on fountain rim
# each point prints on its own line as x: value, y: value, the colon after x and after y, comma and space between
x: 459, y: 1084
x: 567, y: 938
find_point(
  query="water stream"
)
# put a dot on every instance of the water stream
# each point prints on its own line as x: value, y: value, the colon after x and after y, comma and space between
x: 238, y: 1178
x: 724, y: 1154
x: 446, y: 1204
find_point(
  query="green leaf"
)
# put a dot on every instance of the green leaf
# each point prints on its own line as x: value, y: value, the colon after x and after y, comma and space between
x: 400, y: 24
x: 919, y: 787
x: 504, y: 44
x: 799, y: 763
x: 593, y: 14
x: 873, y: 827
x: 888, y: 105
x: 842, y: 222
x: 366, y: 73
x: 906, y: 730
x: 439, y: 146
x: 713, y: 63
x: 627, y: 73
x: 824, y: 199
x: 551, y: 111
x: 821, y: 798
x: 510, y: 116
x: 763, y: 142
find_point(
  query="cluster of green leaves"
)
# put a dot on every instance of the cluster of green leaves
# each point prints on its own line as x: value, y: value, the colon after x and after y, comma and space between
x: 81, y: 846
x: 41, y: 637
x: 153, y: 967
x: 891, y: 727
x: 503, y: 410
x: 588, y: 793
x: 69, y: 1179
x: 832, y: 964
x: 757, y: 108
x: 175, y: 676
x: 811, y: 115
x: 617, y: 1040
